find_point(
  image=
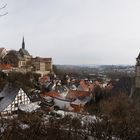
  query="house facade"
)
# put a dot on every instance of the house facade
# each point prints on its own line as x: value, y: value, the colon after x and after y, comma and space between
x: 42, y: 65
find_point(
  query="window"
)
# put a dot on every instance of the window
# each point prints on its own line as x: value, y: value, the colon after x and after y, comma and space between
x: 19, y: 97
x: 16, y: 105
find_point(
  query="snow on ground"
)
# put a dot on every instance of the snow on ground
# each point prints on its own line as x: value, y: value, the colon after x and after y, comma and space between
x: 65, y: 113
x: 10, y: 117
x: 84, y: 118
x: 24, y: 126
x: 89, y: 119
x: 1, y: 130
x: 29, y: 107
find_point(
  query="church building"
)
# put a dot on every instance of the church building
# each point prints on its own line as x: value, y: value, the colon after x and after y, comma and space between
x: 19, y: 59
x: 24, y: 62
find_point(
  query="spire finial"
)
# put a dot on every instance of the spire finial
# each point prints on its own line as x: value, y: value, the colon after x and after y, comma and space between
x: 23, y: 43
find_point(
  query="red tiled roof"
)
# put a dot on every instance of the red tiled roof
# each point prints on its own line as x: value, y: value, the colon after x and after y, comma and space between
x: 44, y: 79
x: 91, y: 87
x: 5, y: 66
x: 73, y: 94
x: 86, y: 87
x: 51, y: 94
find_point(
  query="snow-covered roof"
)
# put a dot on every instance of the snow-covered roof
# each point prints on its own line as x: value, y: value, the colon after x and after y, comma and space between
x: 29, y: 107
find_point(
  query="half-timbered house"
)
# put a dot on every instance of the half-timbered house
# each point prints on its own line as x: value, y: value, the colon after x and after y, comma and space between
x: 11, y: 98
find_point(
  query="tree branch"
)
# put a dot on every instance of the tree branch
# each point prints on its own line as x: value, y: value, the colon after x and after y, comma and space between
x: 3, y: 8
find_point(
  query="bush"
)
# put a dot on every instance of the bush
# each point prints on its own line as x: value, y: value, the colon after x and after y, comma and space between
x: 120, y: 118
x: 117, y: 117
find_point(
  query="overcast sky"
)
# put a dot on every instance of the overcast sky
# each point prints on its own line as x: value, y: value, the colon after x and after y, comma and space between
x: 74, y: 31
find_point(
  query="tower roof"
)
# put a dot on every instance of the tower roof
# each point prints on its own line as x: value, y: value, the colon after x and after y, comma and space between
x: 23, y: 43
x: 22, y: 50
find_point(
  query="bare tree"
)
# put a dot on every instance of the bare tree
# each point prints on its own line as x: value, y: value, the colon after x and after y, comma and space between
x: 2, y: 7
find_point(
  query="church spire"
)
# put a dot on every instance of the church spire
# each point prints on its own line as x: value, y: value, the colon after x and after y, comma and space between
x: 23, y: 43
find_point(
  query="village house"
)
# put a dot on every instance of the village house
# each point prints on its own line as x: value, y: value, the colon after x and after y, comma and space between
x: 11, y: 98
x: 85, y: 85
x: 73, y: 100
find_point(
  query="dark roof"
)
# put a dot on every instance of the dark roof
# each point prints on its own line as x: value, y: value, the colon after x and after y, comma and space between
x: 34, y: 95
x: 16, y: 53
x: 23, y: 52
x: 7, y: 96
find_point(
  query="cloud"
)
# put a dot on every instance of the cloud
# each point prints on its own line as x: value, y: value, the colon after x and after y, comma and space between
x: 74, y: 31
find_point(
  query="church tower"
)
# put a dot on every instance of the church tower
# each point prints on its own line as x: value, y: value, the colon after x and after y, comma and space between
x: 23, y: 44
x: 137, y: 72
x: 22, y: 51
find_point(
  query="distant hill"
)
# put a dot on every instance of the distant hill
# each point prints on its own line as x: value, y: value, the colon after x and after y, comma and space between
x: 118, y: 70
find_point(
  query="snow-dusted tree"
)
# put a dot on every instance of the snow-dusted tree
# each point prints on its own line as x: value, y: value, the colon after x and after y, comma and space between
x: 2, y: 7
